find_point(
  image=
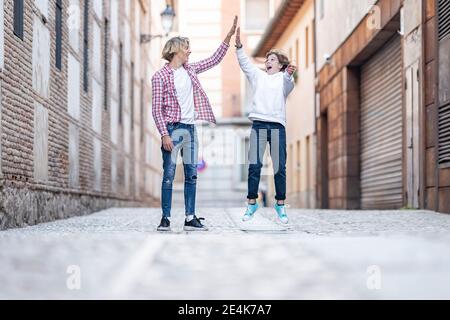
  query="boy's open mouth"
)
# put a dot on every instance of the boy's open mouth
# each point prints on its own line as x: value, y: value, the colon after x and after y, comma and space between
x: 269, y: 67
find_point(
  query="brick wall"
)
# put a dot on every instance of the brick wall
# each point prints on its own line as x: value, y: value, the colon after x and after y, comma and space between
x: 339, y: 165
x: 35, y: 127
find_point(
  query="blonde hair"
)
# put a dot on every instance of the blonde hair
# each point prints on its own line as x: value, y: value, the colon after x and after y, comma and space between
x: 173, y: 46
x: 282, y: 58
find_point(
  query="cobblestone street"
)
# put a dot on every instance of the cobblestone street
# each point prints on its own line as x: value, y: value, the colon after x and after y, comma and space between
x: 319, y: 255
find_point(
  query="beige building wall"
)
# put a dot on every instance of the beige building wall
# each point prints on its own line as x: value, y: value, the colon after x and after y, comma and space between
x: 335, y: 21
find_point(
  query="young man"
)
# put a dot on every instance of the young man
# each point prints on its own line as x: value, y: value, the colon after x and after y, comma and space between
x: 271, y: 88
x: 178, y: 100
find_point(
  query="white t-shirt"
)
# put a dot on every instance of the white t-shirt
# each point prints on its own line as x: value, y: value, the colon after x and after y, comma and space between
x: 185, y: 95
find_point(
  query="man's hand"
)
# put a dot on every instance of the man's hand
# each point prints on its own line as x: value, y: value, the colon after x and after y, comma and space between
x: 232, y: 30
x: 238, y: 38
x: 291, y: 69
x: 167, y: 143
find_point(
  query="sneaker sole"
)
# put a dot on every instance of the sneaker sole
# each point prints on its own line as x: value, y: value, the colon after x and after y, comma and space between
x: 283, y: 222
x: 194, y: 229
x: 163, y: 229
x: 247, y: 219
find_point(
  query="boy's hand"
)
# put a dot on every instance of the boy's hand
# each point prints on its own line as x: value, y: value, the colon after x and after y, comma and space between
x: 238, y: 38
x: 291, y: 69
x: 232, y: 30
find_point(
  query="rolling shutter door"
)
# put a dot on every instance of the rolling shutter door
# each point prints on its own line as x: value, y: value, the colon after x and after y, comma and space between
x: 444, y: 82
x: 381, y: 129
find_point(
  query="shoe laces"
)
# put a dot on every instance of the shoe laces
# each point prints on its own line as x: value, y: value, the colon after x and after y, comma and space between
x: 282, y: 211
x: 199, y: 219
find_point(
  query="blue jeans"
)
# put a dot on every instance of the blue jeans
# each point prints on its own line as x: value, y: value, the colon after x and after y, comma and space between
x: 274, y: 134
x: 184, y: 137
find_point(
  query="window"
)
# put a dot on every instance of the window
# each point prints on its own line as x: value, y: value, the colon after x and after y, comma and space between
x: 58, y: 34
x: 120, y: 82
x: 291, y: 159
x: 313, y: 41
x: 86, y: 46
x: 132, y: 95
x: 176, y: 22
x: 106, y: 64
x: 142, y: 103
x: 18, y: 18
x: 257, y: 14
x: 322, y: 9
x: 308, y: 163
x: 306, y: 47
x: 298, y: 166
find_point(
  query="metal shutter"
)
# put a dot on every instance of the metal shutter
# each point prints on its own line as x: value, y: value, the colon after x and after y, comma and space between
x: 444, y: 79
x: 443, y: 19
x: 381, y: 129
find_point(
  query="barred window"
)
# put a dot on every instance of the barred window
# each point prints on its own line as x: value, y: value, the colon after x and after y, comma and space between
x: 18, y: 18
x: 86, y: 46
x: 58, y: 33
x: 444, y: 80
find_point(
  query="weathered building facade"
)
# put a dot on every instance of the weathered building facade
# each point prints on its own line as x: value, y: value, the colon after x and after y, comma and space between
x: 76, y: 134
x: 383, y: 104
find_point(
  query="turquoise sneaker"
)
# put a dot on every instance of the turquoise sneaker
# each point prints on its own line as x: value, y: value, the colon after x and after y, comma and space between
x: 251, y: 209
x: 281, y: 213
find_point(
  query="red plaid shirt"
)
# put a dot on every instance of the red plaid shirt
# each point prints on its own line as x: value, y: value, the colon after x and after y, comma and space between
x: 165, y: 107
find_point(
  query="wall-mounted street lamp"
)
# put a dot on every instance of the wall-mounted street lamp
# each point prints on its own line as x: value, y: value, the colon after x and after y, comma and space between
x: 167, y: 17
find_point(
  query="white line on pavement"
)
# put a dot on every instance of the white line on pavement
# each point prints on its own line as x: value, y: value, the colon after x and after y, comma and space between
x: 136, y: 267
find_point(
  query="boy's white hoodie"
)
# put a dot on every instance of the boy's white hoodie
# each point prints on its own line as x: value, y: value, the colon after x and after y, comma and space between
x: 269, y: 91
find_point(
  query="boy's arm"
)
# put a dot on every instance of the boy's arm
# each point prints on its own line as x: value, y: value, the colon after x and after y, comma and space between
x: 288, y: 79
x: 288, y: 83
x: 247, y: 67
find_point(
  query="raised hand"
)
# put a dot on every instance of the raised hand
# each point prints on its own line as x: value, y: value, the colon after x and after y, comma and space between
x: 238, y: 38
x: 291, y: 69
x: 232, y: 30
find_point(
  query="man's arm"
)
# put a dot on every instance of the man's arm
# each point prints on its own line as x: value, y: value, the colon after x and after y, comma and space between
x: 212, y: 61
x: 217, y: 57
x: 157, y: 105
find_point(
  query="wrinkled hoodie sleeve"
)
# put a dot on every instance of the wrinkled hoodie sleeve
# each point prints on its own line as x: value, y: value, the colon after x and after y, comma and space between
x: 249, y: 69
x: 288, y: 84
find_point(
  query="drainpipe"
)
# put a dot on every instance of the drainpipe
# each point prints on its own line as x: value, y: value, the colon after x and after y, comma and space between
x: 315, y: 64
x: 316, y: 204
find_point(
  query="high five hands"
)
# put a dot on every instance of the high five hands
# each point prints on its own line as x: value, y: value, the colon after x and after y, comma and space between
x: 232, y: 30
